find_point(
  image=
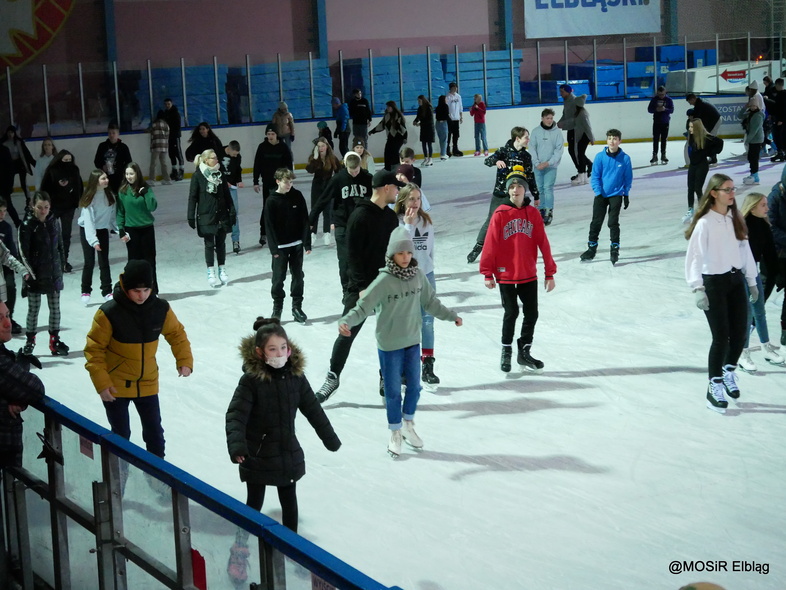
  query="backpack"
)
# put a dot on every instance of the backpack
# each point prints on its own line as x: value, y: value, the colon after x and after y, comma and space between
x: 716, y: 144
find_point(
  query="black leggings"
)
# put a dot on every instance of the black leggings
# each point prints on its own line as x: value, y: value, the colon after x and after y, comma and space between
x: 216, y: 243
x: 527, y: 293
x: 727, y: 317
x: 583, y: 163
x: 287, y: 496
x: 753, y: 156
x: 428, y: 148
x: 392, y: 147
x: 697, y: 174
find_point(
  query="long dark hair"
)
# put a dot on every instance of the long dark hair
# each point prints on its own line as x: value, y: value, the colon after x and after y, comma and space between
x: 426, y: 102
x: 92, y: 189
x: 708, y: 200
x: 210, y: 135
x: 139, y: 183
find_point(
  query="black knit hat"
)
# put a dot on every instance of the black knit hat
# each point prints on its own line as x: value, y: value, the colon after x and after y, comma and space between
x: 138, y: 274
x: 271, y: 127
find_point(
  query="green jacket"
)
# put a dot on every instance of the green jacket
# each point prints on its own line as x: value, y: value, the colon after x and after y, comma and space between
x: 397, y: 304
x: 135, y: 210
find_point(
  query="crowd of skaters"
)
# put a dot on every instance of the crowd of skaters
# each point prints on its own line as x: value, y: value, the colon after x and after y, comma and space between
x: 375, y: 218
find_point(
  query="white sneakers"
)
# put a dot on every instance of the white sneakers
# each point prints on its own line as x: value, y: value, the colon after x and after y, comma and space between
x: 85, y: 298
x: 327, y: 238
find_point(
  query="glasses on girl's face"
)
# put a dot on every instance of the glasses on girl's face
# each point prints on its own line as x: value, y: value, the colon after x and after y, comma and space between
x: 728, y: 190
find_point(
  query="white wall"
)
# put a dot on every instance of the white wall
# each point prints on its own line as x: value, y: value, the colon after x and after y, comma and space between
x: 630, y: 117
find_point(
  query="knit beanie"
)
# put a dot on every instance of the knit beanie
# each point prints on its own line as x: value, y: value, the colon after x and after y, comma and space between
x: 271, y: 127
x: 580, y: 100
x: 321, y: 125
x: 753, y: 85
x: 138, y: 274
x: 400, y: 241
x: 408, y: 170
x: 516, y: 175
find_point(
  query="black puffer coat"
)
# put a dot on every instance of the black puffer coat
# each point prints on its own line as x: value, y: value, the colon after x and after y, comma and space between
x: 208, y: 212
x: 63, y: 182
x: 41, y: 249
x: 260, y: 420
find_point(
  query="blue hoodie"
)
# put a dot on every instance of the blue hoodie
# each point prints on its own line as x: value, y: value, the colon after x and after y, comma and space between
x: 612, y: 174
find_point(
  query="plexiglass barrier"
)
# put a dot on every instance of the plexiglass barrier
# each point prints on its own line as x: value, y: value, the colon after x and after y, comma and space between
x: 89, y: 509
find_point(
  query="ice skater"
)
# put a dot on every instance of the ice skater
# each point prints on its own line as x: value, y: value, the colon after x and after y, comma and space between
x: 396, y: 296
x: 509, y: 257
x: 97, y: 221
x: 717, y: 265
x: 260, y: 427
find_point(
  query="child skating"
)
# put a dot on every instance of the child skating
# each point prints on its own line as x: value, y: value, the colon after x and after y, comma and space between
x: 396, y: 295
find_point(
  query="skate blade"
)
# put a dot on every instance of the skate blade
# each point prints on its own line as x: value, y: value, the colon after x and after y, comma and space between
x: 412, y: 446
x: 392, y: 454
x: 748, y: 371
x: 429, y: 387
x: 714, y: 409
x: 526, y: 369
x: 782, y: 364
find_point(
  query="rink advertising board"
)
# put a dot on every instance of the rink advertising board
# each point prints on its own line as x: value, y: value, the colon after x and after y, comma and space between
x: 589, y: 18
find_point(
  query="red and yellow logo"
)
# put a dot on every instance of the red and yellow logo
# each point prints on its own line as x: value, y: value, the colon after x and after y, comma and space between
x: 28, y: 27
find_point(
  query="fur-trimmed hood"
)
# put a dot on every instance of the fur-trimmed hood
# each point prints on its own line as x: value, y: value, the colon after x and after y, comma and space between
x: 257, y: 367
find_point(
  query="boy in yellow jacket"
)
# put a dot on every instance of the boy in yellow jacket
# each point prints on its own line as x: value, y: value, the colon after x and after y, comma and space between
x: 121, y: 353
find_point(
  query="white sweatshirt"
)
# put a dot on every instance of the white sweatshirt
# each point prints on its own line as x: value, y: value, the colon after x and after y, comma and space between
x: 98, y: 215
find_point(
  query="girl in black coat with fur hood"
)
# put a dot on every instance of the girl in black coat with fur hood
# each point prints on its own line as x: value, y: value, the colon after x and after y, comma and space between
x: 260, y: 425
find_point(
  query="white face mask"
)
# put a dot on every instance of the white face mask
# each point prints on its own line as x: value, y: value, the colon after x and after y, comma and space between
x: 276, y: 362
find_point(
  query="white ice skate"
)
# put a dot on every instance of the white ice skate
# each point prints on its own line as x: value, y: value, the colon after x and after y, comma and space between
x: 212, y: 279
x: 410, y: 436
x: 746, y: 362
x: 771, y: 354
x: 394, y: 446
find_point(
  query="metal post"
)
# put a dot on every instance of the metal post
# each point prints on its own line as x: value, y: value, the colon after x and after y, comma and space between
x: 512, y: 76
x: 654, y: 63
x: 82, y: 97
x: 749, y: 58
x: 311, y: 83
x: 150, y: 89
x: 103, y: 522
x: 23, y: 534
x: 625, y: 67
x: 280, y: 78
x: 117, y: 93
x: 686, y: 63
x: 250, y: 94
x: 428, y: 69
x: 717, y: 63
x: 46, y: 100
x: 10, y: 94
x: 595, y: 67
x: 59, y: 522
x: 341, y: 72
x: 371, y: 78
x: 115, y: 473
x: 458, y: 75
x: 485, y: 74
x: 183, y: 85
x: 400, y: 81
x: 215, y: 80
x: 540, y: 86
x: 182, y: 525
x: 567, y: 67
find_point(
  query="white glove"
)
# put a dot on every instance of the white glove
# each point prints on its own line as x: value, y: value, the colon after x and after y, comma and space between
x: 701, y: 300
x: 754, y: 290
x: 316, y: 152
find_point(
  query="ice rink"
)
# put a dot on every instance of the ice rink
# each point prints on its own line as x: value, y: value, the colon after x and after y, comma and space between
x: 597, y: 473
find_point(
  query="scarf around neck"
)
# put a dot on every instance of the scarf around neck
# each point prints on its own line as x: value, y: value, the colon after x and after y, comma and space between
x: 404, y: 274
x: 212, y: 175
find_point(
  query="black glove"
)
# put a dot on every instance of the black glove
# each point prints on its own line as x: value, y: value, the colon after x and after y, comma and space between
x: 25, y: 360
x: 192, y: 223
x: 626, y: 201
x: 333, y: 444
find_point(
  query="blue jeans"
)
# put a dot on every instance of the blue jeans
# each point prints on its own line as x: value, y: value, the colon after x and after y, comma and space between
x: 236, y: 227
x: 545, y: 180
x: 394, y: 363
x: 480, y: 136
x: 427, y: 329
x: 442, y: 134
x: 756, y: 310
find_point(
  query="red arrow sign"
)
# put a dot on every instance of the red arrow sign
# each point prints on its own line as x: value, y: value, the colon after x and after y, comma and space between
x: 733, y: 75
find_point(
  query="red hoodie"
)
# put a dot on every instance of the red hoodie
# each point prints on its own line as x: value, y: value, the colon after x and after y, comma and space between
x: 510, y: 252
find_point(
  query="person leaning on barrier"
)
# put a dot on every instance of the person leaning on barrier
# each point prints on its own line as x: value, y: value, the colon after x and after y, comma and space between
x: 18, y: 389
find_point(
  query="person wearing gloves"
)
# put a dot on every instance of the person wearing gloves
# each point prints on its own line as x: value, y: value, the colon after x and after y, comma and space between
x: 120, y: 353
x: 260, y: 427
x: 96, y: 221
x: 212, y: 213
x: 612, y: 177
x: 546, y: 147
x: 350, y: 185
x: 661, y: 107
x: 510, y: 254
x: 396, y: 296
x: 717, y: 265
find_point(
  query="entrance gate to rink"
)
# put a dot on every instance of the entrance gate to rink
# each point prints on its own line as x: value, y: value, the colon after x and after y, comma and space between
x: 123, y: 519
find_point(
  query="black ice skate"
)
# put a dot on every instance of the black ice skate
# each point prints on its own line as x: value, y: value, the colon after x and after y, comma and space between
x: 504, y: 361
x: 654, y: 160
x: 474, y: 253
x: 427, y: 376
x: 716, y: 401
x: 589, y: 254
x: 526, y: 361
x: 328, y: 388
x: 614, y: 253
x: 730, y: 382
x: 56, y: 346
x: 300, y: 317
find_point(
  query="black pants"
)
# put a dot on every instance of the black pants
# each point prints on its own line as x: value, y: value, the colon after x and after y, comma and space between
x: 66, y: 217
x: 317, y: 186
x: 599, y: 206
x: 21, y: 171
x: 583, y: 163
x: 89, y: 253
x: 10, y: 286
x: 496, y: 201
x: 428, y: 148
x: 175, y: 153
x: 149, y: 414
x: 660, y: 134
x: 527, y: 293
x: 287, y: 496
x: 342, y: 253
x: 697, y: 174
x: 291, y: 258
x: 571, y: 138
x: 754, y: 149
x: 216, y: 243
x: 343, y: 141
x: 12, y: 210
x: 266, y: 188
x: 727, y: 317
x: 343, y: 344
x: 777, y: 136
x: 142, y: 246
x: 453, y: 134
x: 392, y: 148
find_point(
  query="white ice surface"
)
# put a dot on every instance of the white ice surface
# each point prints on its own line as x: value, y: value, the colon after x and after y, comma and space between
x: 596, y: 474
